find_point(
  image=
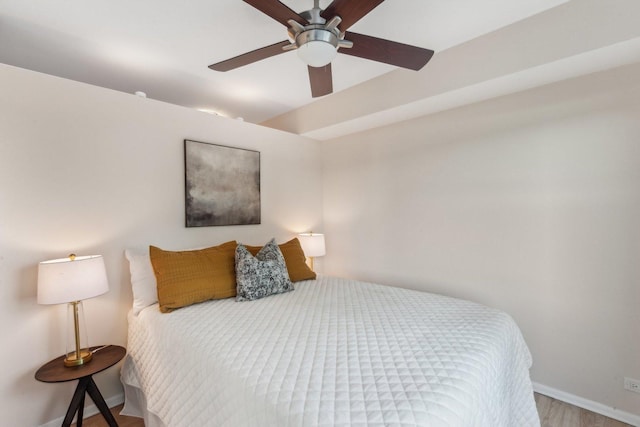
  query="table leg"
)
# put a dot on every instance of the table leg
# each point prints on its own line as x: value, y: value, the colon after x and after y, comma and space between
x: 80, y: 412
x: 76, y: 402
x: 97, y: 398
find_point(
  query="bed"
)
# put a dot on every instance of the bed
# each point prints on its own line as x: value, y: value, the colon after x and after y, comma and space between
x: 332, y: 352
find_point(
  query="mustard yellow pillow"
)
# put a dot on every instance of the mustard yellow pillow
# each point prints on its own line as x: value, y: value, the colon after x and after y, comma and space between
x: 189, y: 277
x: 294, y: 258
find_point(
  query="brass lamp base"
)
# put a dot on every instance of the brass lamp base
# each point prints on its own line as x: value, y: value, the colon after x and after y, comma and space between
x: 73, y: 359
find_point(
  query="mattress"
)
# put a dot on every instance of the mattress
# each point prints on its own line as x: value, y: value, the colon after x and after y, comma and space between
x: 332, y: 352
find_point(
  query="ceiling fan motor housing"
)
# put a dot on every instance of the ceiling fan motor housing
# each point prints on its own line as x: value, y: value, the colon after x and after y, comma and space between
x: 317, y: 34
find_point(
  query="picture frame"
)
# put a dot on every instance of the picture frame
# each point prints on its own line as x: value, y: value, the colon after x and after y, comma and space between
x: 222, y: 185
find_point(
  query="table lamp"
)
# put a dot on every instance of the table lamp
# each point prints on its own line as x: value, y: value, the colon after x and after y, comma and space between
x: 71, y: 280
x: 312, y: 245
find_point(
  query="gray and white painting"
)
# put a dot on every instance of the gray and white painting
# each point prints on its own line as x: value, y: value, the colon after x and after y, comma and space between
x: 222, y: 185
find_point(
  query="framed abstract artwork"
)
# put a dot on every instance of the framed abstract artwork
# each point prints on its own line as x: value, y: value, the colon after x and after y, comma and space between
x: 222, y: 185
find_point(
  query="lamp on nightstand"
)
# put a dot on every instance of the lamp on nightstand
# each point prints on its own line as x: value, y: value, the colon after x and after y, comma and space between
x: 71, y: 280
x: 312, y: 245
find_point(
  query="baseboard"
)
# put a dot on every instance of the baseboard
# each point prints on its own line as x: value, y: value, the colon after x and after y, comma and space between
x: 89, y: 410
x: 587, y: 404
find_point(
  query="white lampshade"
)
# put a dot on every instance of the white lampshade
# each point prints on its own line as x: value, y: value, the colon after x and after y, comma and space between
x: 312, y: 244
x: 317, y: 53
x: 71, y: 279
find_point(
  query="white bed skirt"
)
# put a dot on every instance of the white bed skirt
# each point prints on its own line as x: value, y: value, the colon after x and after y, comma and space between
x: 135, y: 402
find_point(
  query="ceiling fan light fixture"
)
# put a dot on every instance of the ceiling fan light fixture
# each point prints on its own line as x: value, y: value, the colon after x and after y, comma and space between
x: 317, y: 47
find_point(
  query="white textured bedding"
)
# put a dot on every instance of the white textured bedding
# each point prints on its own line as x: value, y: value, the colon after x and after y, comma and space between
x: 332, y: 352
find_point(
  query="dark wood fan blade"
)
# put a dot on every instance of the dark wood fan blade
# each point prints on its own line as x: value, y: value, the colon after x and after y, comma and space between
x: 381, y: 50
x: 250, y: 57
x: 277, y: 11
x: 349, y: 10
x: 321, y: 80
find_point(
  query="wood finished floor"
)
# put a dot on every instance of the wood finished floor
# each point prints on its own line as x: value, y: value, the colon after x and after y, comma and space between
x: 553, y: 413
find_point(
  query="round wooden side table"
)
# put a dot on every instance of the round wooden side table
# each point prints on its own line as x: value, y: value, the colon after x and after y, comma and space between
x: 55, y: 372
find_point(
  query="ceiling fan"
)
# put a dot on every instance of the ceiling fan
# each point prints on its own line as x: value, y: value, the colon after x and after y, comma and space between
x: 318, y: 34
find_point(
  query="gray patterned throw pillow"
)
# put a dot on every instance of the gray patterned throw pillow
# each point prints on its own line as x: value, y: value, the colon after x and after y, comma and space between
x: 263, y: 275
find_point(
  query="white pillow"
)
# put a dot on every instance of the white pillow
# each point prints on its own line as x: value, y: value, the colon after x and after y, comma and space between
x: 143, y: 279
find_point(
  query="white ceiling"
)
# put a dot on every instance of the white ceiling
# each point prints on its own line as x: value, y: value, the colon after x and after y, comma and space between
x: 570, y: 40
x: 163, y: 47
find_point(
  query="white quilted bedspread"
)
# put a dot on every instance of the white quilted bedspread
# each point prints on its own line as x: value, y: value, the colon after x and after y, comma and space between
x: 333, y: 352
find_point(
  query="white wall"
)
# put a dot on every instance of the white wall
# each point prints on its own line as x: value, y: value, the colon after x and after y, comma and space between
x: 529, y: 203
x: 89, y: 170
